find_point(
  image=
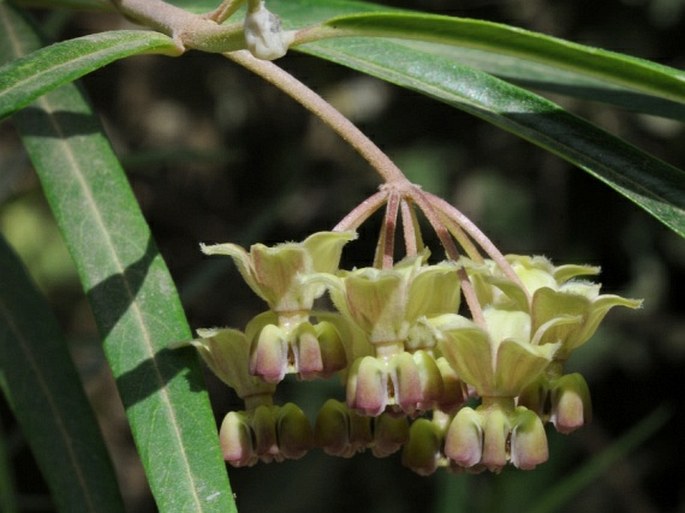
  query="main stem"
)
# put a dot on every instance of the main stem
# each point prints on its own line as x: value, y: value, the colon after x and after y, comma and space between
x: 280, y: 78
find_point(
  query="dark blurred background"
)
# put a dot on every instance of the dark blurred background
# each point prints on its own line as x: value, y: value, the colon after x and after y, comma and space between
x: 214, y: 154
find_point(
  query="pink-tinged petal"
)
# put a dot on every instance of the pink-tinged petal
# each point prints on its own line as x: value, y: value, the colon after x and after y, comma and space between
x: 308, y: 361
x: 496, y: 428
x: 528, y: 440
x: 571, y: 403
x: 367, y: 386
x: 235, y: 437
x: 269, y: 355
x: 464, y: 439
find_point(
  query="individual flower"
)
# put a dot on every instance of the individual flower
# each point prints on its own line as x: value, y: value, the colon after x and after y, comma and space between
x: 310, y: 350
x: 284, y: 340
x: 565, y: 311
x: 393, y: 308
x: 386, y: 303
x: 494, y: 434
x: 498, y: 360
x: 264, y: 432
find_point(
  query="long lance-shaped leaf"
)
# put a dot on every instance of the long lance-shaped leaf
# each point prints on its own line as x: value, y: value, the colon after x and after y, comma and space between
x: 24, y: 79
x: 43, y: 387
x: 529, y: 58
x: 649, y: 182
x: 132, y: 296
x: 621, y: 70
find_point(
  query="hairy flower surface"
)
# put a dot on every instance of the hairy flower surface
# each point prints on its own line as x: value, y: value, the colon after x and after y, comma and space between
x: 274, y: 273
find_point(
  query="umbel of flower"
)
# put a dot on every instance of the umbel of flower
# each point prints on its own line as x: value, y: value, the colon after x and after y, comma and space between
x: 563, y: 310
x: 498, y: 360
x: 389, y: 306
x: 287, y: 341
x: 264, y: 432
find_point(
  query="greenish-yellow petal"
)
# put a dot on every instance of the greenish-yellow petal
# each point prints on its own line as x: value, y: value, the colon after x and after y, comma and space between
x: 519, y: 364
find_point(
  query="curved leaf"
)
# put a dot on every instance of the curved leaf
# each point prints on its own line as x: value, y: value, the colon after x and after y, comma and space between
x: 132, y: 296
x: 649, y: 182
x: 43, y: 387
x: 622, y: 70
x: 24, y: 79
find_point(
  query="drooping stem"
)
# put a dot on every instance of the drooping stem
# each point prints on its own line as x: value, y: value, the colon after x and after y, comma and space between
x: 410, y: 228
x: 280, y: 78
x: 481, y: 239
x: 361, y: 212
x: 386, y: 242
x: 423, y: 200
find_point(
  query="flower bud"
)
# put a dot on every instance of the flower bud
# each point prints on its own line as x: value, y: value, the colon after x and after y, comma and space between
x: 496, y: 429
x: 264, y: 434
x: 571, y: 403
x: 422, y: 453
x: 295, y: 436
x: 464, y: 440
x: 367, y: 386
x: 235, y: 436
x: 416, y: 379
x: 332, y: 349
x: 307, y: 358
x: 528, y: 445
x: 340, y: 431
x: 269, y: 355
x: 390, y: 432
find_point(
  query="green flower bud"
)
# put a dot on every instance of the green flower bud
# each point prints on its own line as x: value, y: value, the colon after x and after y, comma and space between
x: 390, y: 432
x: 295, y: 435
x: 422, y: 452
x: 340, y: 431
x: 274, y: 273
x: 266, y: 433
x: 528, y: 440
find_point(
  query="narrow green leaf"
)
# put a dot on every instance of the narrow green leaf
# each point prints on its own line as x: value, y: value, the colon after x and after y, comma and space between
x: 529, y: 58
x: 557, y: 496
x: 24, y: 79
x: 505, y: 40
x: 132, y: 296
x: 649, y: 182
x: 45, y: 392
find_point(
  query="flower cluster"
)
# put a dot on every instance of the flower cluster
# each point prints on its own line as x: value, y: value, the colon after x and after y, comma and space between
x: 419, y: 376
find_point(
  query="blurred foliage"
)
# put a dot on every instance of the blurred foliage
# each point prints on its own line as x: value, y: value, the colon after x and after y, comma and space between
x: 214, y: 154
